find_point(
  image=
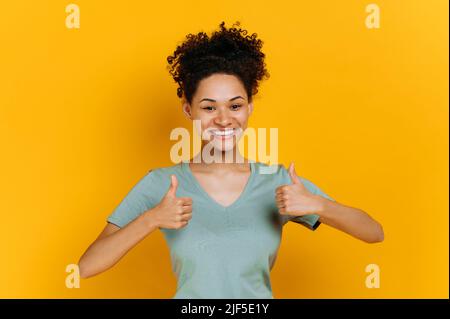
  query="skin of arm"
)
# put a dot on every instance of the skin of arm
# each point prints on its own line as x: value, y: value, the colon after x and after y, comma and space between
x: 350, y: 220
x: 113, y: 243
x: 296, y: 200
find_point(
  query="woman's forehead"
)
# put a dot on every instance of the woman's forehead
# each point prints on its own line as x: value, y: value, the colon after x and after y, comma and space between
x: 219, y: 89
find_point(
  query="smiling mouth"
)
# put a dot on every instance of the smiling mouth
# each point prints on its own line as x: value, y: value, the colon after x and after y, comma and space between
x: 224, y: 134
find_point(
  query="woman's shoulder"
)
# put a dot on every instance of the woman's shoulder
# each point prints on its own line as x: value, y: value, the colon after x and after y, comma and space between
x: 164, y: 171
x: 280, y: 174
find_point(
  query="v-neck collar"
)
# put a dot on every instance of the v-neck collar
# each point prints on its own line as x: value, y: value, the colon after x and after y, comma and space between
x: 236, y: 203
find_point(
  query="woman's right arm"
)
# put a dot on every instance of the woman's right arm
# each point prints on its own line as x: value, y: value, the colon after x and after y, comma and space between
x: 113, y: 243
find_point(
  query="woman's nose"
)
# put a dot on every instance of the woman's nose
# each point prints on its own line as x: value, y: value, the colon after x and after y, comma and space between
x: 223, y: 119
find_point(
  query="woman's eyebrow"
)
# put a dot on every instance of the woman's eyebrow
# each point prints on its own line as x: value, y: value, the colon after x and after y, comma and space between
x: 211, y: 100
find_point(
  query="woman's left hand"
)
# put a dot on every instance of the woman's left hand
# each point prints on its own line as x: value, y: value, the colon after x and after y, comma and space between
x: 296, y: 199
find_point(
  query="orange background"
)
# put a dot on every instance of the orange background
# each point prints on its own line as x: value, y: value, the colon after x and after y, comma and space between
x: 85, y: 113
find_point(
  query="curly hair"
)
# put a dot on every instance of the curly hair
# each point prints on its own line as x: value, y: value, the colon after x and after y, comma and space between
x: 228, y: 51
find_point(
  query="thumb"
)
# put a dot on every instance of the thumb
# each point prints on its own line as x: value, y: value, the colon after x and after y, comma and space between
x: 293, y: 175
x: 173, y: 186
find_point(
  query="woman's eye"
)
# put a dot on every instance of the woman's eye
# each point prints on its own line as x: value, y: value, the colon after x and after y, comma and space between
x: 235, y: 107
x: 208, y: 108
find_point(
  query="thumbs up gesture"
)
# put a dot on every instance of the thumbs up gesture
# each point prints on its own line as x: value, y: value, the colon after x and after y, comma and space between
x: 173, y: 212
x: 296, y: 199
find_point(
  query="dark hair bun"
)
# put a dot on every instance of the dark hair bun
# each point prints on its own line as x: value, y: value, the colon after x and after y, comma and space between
x: 228, y: 51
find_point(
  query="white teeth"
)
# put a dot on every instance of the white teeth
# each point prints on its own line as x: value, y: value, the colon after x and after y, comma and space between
x: 223, y: 133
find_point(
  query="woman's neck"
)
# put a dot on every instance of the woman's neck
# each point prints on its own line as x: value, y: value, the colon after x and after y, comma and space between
x: 222, y: 161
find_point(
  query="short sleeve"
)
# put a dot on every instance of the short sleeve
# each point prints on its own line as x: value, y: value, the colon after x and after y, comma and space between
x: 310, y: 221
x: 138, y: 200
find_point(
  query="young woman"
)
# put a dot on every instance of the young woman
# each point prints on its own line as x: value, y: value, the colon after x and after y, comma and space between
x: 222, y: 221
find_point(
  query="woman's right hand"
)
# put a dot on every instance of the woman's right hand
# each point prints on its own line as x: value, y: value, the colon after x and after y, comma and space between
x: 172, y: 212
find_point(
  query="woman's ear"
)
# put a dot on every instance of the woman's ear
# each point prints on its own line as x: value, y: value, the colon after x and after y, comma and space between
x: 186, y: 107
x: 250, y: 108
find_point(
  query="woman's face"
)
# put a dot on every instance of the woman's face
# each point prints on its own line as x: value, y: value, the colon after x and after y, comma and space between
x: 221, y: 105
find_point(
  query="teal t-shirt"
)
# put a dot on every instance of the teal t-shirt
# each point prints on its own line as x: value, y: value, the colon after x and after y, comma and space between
x: 223, y: 252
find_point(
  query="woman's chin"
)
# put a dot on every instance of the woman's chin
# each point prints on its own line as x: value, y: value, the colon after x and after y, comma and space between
x: 223, y: 146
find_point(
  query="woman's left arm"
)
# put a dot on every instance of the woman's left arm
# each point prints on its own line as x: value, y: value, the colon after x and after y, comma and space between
x: 297, y: 200
x: 350, y: 220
